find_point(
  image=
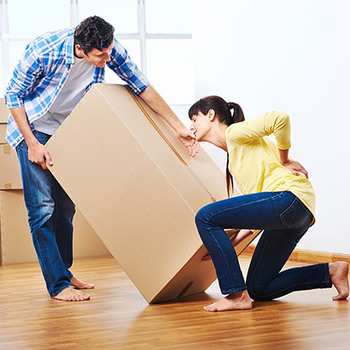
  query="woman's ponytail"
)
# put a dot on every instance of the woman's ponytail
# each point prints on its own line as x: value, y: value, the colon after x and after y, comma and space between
x: 238, y: 115
x: 229, y: 179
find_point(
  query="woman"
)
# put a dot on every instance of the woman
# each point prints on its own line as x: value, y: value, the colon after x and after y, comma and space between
x: 278, y: 198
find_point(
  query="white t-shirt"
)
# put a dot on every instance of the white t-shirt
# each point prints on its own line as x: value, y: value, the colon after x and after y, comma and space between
x: 79, y: 77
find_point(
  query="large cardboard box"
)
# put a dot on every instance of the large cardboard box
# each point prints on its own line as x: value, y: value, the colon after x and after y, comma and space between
x: 16, y: 241
x: 10, y: 172
x: 139, y: 189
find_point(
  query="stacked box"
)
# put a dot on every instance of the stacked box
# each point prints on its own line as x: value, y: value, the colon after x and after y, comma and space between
x: 16, y: 242
x: 3, y: 120
x: 10, y: 176
x: 15, y: 237
x: 139, y: 189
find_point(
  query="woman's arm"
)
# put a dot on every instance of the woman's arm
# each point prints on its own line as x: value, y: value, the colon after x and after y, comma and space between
x: 241, y: 236
x: 294, y: 166
x: 276, y: 123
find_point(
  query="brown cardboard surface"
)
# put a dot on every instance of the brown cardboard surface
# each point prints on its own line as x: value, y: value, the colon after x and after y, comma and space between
x: 10, y: 173
x: 194, y: 267
x: 139, y: 189
x: 16, y: 242
x: 4, y: 112
x: 3, y: 127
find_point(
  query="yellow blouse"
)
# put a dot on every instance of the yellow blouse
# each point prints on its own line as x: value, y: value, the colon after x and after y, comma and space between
x: 254, y: 159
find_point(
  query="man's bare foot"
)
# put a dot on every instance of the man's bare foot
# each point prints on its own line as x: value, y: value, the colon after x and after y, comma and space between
x: 338, y: 272
x: 235, y: 301
x: 71, y: 294
x: 80, y: 284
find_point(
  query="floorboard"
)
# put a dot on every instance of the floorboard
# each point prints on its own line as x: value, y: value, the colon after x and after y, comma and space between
x: 117, y: 316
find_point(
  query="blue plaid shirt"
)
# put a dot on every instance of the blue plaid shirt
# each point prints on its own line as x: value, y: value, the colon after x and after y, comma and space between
x: 43, y: 69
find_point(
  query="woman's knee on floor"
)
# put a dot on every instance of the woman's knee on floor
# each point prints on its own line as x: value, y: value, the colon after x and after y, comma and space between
x: 257, y: 291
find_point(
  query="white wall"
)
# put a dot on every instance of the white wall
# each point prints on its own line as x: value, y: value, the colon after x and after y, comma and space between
x: 293, y: 56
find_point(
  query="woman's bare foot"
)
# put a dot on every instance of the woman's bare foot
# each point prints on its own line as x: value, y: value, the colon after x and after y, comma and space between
x: 235, y: 301
x: 71, y: 294
x: 80, y: 284
x: 338, y: 272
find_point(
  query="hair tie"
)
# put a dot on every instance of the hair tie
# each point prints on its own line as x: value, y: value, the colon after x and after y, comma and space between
x: 230, y: 106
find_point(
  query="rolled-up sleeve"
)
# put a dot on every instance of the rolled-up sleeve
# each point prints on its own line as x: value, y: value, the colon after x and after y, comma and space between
x: 24, y: 78
x: 126, y: 69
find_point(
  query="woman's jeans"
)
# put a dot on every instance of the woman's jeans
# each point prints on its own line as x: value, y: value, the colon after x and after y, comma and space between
x: 50, y: 215
x: 284, y: 219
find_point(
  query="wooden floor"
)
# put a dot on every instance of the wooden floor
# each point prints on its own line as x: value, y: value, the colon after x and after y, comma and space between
x: 117, y: 317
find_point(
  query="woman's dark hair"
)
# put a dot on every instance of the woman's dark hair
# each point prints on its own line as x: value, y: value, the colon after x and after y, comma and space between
x: 223, y: 112
x: 93, y: 33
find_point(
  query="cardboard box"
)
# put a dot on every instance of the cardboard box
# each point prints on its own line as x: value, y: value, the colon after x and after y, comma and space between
x: 4, y: 114
x: 10, y: 172
x: 16, y: 241
x: 139, y: 189
x: 3, y: 128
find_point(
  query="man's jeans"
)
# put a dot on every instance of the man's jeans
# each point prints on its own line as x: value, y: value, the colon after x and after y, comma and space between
x: 50, y: 215
x: 284, y: 219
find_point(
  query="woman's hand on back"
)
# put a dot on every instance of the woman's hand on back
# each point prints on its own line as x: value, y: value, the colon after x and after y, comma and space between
x: 295, y: 167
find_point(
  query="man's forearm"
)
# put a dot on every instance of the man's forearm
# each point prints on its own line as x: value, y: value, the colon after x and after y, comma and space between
x: 20, y: 117
x: 157, y: 103
x: 37, y: 152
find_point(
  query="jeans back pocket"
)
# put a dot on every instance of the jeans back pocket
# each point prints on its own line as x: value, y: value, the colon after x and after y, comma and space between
x: 296, y: 215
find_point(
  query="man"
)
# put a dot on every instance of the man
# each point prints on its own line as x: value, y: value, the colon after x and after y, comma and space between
x: 51, y: 77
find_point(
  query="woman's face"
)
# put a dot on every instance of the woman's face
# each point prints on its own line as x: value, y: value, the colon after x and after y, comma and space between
x: 200, y: 126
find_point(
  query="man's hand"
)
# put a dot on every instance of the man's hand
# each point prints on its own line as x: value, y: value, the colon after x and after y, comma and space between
x: 156, y: 102
x: 295, y: 167
x: 39, y: 155
x: 194, y: 150
x: 37, y: 152
x: 189, y: 140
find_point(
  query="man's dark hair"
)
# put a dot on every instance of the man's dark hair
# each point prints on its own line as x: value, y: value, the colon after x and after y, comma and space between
x: 93, y: 33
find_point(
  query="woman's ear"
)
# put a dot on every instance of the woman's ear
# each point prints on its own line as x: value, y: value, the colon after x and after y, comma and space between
x: 211, y: 114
